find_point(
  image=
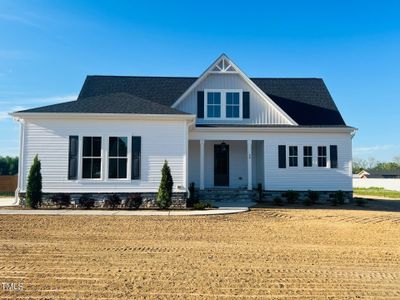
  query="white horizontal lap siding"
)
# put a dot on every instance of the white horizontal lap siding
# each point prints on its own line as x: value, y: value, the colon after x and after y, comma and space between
x: 260, y: 111
x: 308, y: 178
x: 161, y: 140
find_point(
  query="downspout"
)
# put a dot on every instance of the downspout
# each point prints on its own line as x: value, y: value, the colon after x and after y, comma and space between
x: 20, y: 161
x: 188, y: 125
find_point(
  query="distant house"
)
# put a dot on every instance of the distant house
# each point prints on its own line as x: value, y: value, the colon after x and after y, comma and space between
x: 380, y: 174
x: 221, y: 130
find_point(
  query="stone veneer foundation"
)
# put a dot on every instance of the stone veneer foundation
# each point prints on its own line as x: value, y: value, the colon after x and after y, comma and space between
x: 149, y: 199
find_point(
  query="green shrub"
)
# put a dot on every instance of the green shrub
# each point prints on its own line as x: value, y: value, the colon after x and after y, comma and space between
x: 291, y: 196
x: 133, y: 201
x: 339, y: 196
x: 278, y: 201
x: 202, y: 205
x: 86, y: 202
x: 307, y: 201
x: 34, y: 188
x: 360, y: 201
x: 314, y: 196
x: 164, y: 195
x: 191, y: 201
x: 113, y: 201
x: 61, y: 199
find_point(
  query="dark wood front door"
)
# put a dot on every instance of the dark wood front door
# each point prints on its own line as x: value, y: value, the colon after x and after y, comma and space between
x: 221, y: 165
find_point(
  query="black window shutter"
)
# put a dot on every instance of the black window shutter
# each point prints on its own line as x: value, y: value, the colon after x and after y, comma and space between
x: 282, y: 156
x: 73, y: 157
x: 246, y: 105
x: 136, y: 154
x: 334, y: 156
x: 200, y: 104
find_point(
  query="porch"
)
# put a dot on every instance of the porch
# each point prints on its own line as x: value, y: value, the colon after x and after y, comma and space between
x: 226, y: 164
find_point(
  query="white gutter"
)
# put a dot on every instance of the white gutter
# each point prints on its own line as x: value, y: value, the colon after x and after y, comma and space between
x: 289, y: 129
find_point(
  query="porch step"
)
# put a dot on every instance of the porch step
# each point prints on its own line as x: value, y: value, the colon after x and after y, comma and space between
x: 215, y: 195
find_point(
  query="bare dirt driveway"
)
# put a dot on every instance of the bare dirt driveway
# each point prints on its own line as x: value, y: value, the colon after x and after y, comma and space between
x: 265, y: 253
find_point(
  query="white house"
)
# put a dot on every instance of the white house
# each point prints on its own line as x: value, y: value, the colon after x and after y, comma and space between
x: 221, y: 130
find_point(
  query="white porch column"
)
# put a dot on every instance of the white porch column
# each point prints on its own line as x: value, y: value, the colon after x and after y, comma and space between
x: 201, y: 164
x: 249, y: 166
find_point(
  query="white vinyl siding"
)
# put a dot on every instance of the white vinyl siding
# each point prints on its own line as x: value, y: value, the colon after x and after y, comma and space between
x: 260, y: 111
x: 161, y: 140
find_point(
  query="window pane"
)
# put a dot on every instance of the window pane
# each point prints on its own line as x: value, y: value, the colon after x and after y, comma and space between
x: 112, y: 168
x: 96, y: 167
x: 122, y: 167
x: 122, y: 146
x: 229, y: 111
x: 87, y: 146
x: 112, y: 146
x: 217, y: 98
x: 236, y: 111
x: 210, y: 98
x: 236, y: 98
x: 86, y: 168
x: 96, y: 146
x: 217, y: 111
x: 210, y: 111
x: 229, y: 98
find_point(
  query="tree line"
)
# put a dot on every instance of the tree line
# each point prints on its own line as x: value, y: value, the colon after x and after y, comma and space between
x: 372, y: 164
x: 8, y: 165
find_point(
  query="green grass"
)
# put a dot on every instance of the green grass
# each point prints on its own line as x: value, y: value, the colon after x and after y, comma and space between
x: 376, y: 191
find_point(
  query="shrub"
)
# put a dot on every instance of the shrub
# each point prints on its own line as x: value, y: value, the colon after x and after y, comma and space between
x: 202, y: 205
x: 113, y: 201
x: 61, y: 199
x: 133, y: 201
x: 339, y: 196
x: 34, y: 188
x: 307, y: 201
x: 291, y: 196
x: 164, y: 195
x: 360, y: 201
x: 191, y: 201
x: 278, y: 201
x: 313, y: 196
x: 86, y: 202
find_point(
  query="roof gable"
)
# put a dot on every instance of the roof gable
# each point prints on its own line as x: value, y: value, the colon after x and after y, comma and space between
x: 224, y: 65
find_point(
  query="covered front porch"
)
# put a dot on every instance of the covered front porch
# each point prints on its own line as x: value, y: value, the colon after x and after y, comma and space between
x: 226, y: 164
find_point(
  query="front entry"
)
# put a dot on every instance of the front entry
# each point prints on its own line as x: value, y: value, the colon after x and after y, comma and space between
x: 221, y: 165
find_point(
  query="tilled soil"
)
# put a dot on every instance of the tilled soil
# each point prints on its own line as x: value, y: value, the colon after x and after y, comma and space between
x: 265, y: 253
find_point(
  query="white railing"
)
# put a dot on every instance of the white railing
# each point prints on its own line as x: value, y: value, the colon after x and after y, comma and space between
x: 386, y: 183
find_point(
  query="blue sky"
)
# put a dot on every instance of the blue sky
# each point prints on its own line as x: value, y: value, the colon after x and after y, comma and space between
x: 48, y: 47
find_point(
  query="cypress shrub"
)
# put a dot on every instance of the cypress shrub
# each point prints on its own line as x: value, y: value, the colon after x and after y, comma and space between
x: 34, y: 188
x: 164, y: 195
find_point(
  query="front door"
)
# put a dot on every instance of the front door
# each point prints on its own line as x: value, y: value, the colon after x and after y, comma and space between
x: 221, y: 165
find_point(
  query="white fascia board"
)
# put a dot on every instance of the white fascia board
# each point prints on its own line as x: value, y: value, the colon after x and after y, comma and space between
x: 111, y: 116
x: 289, y: 129
x: 245, y: 78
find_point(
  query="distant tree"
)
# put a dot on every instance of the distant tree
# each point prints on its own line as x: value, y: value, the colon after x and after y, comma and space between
x: 164, y: 195
x: 8, y: 165
x: 34, y: 188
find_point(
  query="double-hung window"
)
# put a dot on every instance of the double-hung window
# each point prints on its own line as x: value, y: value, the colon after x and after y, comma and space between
x: 117, y: 157
x: 91, y: 157
x: 232, y: 105
x: 213, y: 104
x: 307, y: 156
x: 293, y: 156
x: 322, y: 156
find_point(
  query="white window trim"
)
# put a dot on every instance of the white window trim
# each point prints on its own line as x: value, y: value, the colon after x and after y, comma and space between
x: 80, y: 162
x: 104, y: 159
x: 288, y: 156
x: 128, y: 158
x: 223, y: 103
x: 303, y: 156
x: 328, y: 158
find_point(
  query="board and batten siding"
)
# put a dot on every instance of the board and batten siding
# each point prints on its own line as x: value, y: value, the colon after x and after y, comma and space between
x: 49, y: 138
x: 260, y: 111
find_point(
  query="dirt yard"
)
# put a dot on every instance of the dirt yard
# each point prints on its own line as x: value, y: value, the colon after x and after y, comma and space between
x: 266, y: 253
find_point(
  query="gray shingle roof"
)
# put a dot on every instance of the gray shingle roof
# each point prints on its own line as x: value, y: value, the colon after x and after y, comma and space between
x: 305, y: 100
x: 118, y: 103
